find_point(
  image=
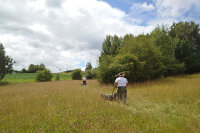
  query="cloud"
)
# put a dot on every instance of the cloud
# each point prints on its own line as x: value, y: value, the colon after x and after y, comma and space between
x: 60, y: 34
x: 141, y: 13
x: 175, y: 8
x: 141, y: 7
x: 66, y: 34
x: 54, y: 3
x: 165, y: 11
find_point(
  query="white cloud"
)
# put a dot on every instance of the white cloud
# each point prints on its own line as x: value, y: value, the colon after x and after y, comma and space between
x: 175, y: 8
x: 147, y: 7
x: 169, y: 11
x: 36, y: 4
x: 141, y: 7
x: 62, y: 35
x: 39, y: 28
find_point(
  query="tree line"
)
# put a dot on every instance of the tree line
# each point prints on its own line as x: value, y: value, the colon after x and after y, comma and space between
x: 166, y: 51
x: 34, y: 68
x: 89, y: 73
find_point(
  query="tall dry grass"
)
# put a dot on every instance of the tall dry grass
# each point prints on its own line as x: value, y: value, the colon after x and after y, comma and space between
x: 166, y: 105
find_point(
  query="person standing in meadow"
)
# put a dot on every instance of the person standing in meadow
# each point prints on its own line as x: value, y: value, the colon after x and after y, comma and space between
x: 121, y: 83
x: 84, y: 80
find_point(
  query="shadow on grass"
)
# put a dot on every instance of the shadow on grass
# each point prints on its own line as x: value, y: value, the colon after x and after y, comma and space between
x: 2, y: 83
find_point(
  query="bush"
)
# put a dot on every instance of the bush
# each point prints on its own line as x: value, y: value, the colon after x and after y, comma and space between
x: 76, y: 74
x: 44, y: 75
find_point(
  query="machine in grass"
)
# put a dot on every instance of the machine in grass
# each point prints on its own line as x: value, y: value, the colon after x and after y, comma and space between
x: 110, y: 97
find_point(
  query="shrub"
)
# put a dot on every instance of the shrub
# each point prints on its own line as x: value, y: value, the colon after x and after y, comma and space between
x: 76, y: 74
x: 44, y: 75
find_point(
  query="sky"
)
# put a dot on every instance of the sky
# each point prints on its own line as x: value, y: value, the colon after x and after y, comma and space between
x: 66, y: 34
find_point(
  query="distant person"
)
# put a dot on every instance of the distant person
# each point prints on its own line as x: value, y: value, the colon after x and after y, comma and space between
x: 121, y: 83
x: 84, y: 80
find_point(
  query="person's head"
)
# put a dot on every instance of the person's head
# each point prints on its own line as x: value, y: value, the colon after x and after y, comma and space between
x: 121, y: 74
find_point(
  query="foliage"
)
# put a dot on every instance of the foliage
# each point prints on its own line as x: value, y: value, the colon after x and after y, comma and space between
x: 88, y: 66
x: 111, y: 45
x: 44, y: 75
x: 76, y: 74
x: 138, y: 57
x: 6, y: 63
x: 88, y: 74
x: 95, y: 72
x: 162, y: 39
x: 104, y: 61
x: 24, y: 70
x: 186, y: 36
x: 165, y: 51
x: 34, y: 68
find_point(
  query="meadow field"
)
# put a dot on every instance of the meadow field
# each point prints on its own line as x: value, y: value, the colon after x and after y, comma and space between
x: 30, y: 77
x: 168, y: 105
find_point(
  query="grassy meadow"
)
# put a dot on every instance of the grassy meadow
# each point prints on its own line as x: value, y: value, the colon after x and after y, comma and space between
x: 166, y: 105
x: 30, y: 77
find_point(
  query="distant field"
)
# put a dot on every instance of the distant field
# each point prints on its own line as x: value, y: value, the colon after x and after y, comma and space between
x: 30, y: 77
x: 170, y: 105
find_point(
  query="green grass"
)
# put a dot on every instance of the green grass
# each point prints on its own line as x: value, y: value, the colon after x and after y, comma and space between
x: 30, y: 77
x: 170, y: 105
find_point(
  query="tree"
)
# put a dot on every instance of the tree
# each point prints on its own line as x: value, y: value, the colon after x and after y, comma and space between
x: 88, y: 66
x: 41, y: 67
x: 88, y: 74
x: 162, y: 40
x: 31, y: 68
x: 76, y: 74
x: 23, y: 70
x: 138, y: 57
x: 145, y: 50
x: 44, y: 75
x: 166, y: 51
x: 186, y: 38
x: 106, y: 45
x: 115, y: 41
x: 34, y: 68
x: 111, y: 45
x: 6, y: 63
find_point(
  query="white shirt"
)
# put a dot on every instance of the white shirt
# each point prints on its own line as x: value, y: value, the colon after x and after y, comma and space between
x: 121, y: 81
x: 84, y: 78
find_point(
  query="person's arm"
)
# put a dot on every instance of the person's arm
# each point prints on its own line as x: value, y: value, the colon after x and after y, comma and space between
x: 115, y: 84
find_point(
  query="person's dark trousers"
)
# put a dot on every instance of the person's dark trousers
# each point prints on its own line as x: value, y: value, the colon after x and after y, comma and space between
x: 84, y: 82
x: 121, y: 94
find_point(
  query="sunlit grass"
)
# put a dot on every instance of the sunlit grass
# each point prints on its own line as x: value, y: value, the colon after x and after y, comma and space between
x: 166, y: 105
x: 30, y: 77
